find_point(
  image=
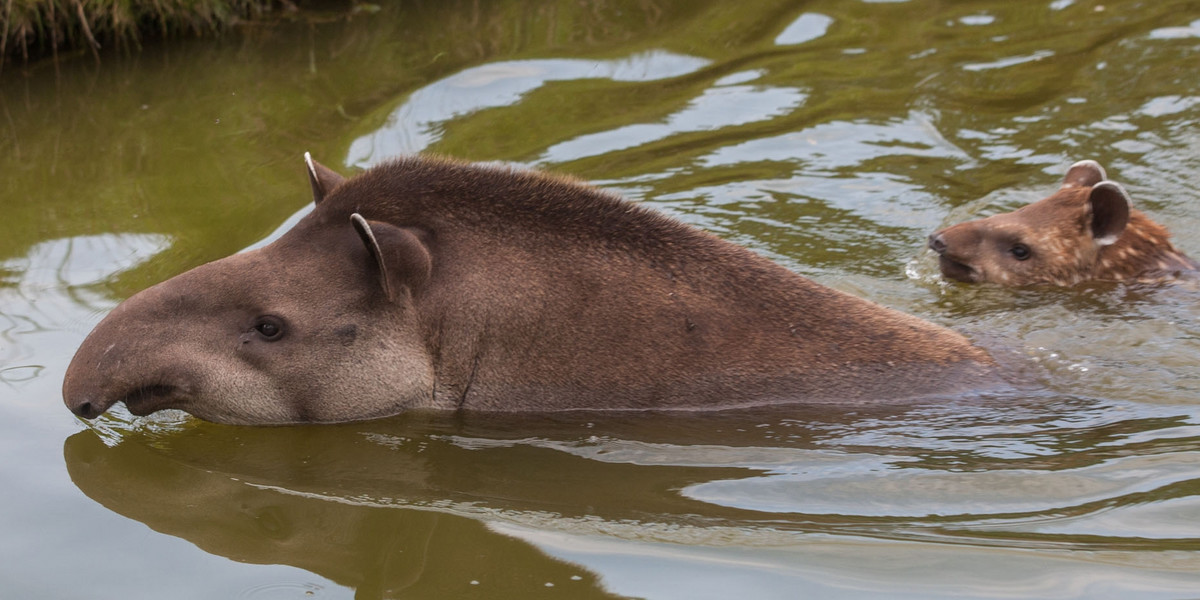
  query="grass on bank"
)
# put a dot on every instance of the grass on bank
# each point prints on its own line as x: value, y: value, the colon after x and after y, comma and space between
x: 31, y: 29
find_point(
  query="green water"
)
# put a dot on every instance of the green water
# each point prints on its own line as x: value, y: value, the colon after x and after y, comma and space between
x: 829, y: 136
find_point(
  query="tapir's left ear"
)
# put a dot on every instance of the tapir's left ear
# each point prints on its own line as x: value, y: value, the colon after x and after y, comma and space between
x: 1110, y: 211
x: 401, y: 257
x: 321, y: 178
x: 1084, y: 173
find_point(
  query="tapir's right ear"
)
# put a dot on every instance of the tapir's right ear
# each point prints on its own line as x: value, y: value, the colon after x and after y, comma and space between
x: 321, y: 178
x: 1110, y: 211
x: 1085, y: 173
x: 402, y: 259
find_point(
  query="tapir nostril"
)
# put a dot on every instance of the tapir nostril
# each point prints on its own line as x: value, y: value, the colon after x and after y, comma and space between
x: 84, y: 409
x: 937, y: 243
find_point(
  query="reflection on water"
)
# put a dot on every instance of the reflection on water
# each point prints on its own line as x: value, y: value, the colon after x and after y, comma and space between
x: 381, y: 553
x: 1169, y: 33
x: 57, y: 291
x: 831, y: 137
x: 723, y: 105
x: 414, y: 126
x: 599, y: 503
x: 807, y: 27
x: 82, y: 261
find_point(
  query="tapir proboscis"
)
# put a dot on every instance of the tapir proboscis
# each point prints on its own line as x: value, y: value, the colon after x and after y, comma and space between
x: 427, y: 283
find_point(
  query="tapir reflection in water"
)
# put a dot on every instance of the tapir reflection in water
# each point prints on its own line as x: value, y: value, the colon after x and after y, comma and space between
x: 427, y: 283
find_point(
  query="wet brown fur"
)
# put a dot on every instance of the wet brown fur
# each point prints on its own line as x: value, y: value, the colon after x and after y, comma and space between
x: 1143, y: 252
x: 655, y: 302
x: 1064, y: 250
x: 547, y: 294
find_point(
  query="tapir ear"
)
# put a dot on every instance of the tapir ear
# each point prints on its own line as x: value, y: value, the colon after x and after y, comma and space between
x: 1110, y: 211
x: 1085, y: 173
x: 321, y: 178
x: 400, y: 256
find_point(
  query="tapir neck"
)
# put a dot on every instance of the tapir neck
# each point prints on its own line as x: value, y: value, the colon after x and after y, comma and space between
x: 1143, y: 251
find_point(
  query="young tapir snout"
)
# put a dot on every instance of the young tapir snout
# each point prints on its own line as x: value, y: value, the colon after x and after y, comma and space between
x: 433, y: 284
x: 1086, y: 231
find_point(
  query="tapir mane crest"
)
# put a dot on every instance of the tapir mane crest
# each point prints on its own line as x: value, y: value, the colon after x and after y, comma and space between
x: 505, y: 198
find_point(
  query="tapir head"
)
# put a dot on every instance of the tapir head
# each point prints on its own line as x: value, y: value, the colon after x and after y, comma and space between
x: 319, y: 326
x: 1056, y: 240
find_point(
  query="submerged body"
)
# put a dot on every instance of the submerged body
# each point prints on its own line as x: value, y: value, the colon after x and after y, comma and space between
x: 432, y: 284
x: 1087, y: 231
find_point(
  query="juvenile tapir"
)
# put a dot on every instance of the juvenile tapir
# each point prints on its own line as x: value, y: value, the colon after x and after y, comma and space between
x: 427, y: 283
x: 1088, y: 230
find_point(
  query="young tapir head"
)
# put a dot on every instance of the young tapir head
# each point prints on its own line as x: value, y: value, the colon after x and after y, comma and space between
x: 1087, y: 230
x: 275, y: 335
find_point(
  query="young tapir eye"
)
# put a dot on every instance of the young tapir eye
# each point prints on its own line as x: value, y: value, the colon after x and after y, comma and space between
x: 1020, y: 251
x: 270, y: 328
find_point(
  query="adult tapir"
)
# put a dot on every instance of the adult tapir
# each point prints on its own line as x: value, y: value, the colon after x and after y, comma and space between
x: 427, y: 283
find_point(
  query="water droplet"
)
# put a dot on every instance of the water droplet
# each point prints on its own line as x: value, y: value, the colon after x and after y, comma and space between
x: 280, y: 590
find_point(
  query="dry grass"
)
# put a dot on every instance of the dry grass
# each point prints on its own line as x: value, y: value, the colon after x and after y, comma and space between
x: 34, y: 28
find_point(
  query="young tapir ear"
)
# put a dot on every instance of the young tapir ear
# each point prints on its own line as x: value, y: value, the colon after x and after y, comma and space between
x: 1084, y: 173
x: 1110, y: 211
x: 321, y: 178
x: 400, y: 255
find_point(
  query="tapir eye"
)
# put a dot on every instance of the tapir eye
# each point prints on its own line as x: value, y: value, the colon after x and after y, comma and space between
x: 270, y: 328
x: 1020, y: 251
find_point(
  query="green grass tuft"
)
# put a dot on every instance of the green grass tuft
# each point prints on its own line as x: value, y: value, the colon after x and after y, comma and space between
x: 31, y: 29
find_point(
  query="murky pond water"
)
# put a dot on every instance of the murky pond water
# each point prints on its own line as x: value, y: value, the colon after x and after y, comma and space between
x: 830, y: 136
